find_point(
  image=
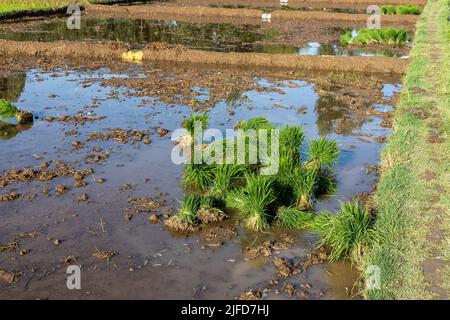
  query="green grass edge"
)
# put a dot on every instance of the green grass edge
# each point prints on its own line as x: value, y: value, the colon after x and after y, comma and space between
x: 402, y: 197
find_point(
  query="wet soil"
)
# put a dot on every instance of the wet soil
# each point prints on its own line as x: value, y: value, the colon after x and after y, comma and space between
x: 113, y: 51
x: 320, y: 4
x: 238, y: 16
x: 61, y: 210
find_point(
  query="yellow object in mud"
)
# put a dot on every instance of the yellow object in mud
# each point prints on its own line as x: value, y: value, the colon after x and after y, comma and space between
x: 133, y: 56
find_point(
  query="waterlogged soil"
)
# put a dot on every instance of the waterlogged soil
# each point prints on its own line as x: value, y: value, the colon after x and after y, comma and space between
x: 344, y: 5
x: 297, y: 39
x: 91, y: 180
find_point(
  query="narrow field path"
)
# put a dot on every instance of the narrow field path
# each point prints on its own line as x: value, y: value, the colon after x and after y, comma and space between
x: 436, y: 266
x: 412, y: 200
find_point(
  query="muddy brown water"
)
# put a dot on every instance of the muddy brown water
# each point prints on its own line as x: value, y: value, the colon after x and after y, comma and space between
x: 150, y: 261
x: 224, y: 37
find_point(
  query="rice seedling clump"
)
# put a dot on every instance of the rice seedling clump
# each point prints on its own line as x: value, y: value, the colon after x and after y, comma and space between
x: 284, y: 197
x: 7, y: 109
x: 401, y: 9
x: 347, y: 233
x: 390, y: 36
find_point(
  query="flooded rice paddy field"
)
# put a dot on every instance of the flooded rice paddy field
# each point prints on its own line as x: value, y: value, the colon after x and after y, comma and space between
x: 278, y: 38
x: 91, y: 180
x: 99, y: 154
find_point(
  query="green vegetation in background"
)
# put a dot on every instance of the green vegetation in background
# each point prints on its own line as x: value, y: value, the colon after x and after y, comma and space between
x: 12, y: 6
x: 9, y: 6
x: 370, y: 36
x: 401, y: 9
x: 404, y: 200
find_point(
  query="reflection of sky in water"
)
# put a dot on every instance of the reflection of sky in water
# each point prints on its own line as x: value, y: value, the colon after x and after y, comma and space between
x: 123, y: 112
x: 315, y: 48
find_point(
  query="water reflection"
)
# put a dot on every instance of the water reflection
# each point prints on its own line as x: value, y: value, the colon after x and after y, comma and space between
x: 335, y: 116
x: 11, y: 87
x: 9, y: 130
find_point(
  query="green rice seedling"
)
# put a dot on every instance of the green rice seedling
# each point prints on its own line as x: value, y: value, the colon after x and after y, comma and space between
x: 401, y: 9
x: 325, y: 183
x: 190, y: 123
x: 252, y: 147
x: 321, y: 224
x: 186, y: 219
x: 7, y: 109
x: 227, y: 178
x: 303, y: 182
x: 189, y: 206
x: 323, y: 154
x: 347, y: 38
x: 294, y: 218
x: 255, y: 124
x: 371, y: 36
x: 253, y: 201
x: 347, y: 232
x: 198, y: 176
x: 291, y: 139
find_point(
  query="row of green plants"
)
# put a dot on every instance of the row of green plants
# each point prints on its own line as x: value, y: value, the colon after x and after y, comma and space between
x: 9, y: 6
x: 401, y: 9
x: 389, y: 36
x: 285, y: 199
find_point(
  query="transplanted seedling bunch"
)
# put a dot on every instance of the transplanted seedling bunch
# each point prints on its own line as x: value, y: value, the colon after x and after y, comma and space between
x: 390, y: 36
x: 284, y: 197
x: 8, y: 110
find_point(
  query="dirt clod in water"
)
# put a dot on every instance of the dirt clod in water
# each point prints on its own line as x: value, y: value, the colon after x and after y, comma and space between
x: 9, y: 196
x: 154, y: 219
x: 75, y: 120
x: 122, y: 136
x: 83, y: 197
x: 104, y: 255
x: 289, y: 289
x: 24, y: 117
x: 10, y: 246
x: 61, y: 189
x: 176, y: 224
x: 59, y: 169
x: 250, y: 295
x: 283, y: 267
x: 208, y: 215
x: 9, y: 277
x: 143, y: 205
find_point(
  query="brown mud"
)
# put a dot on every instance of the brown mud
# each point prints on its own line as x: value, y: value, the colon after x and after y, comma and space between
x: 354, y: 4
x: 160, y: 53
x: 243, y: 16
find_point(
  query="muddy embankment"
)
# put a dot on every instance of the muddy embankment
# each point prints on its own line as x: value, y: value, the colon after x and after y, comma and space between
x: 161, y: 53
x: 300, y: 3
x: 314, y: 4
x: 245, y: 16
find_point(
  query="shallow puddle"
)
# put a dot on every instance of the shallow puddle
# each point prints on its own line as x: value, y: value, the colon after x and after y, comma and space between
x: 151, y: 262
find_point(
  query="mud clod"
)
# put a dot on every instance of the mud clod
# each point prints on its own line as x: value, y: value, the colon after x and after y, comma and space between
x: 283, y: 267
x: 250, y: 295
x: 104, y: 255
x: 9, y: 277
x: 61, y: 189
x: 9, y: 196
x: 209, y: 215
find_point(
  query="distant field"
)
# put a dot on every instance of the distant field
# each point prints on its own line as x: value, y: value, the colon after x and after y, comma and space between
x: 21, y: 5
x: 7, y: 6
